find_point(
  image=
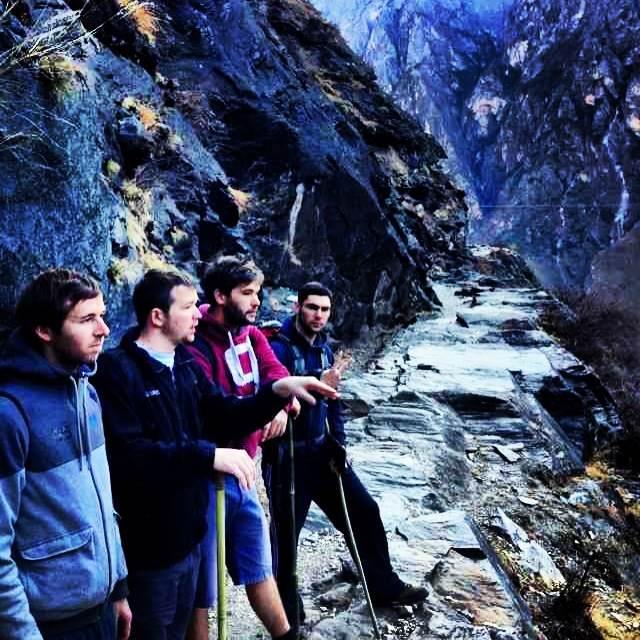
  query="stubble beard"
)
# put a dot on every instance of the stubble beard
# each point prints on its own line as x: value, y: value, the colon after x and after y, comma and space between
x: 304, y: 328
x: 234, y: 318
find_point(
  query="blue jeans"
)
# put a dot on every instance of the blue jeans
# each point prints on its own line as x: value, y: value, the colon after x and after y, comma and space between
x: 161, y: 600
x: 248, y: 549
x: 103, y: 629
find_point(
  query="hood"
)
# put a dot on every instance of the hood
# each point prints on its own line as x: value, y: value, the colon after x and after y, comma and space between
x: 19, y: 360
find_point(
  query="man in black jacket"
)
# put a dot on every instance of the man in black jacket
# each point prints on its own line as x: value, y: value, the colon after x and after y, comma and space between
x: 301, y: 345
x: 162, y: 418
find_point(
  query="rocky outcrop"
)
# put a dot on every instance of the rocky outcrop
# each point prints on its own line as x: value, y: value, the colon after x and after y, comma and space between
x: 440, y: 60
x: 539, y: 110
x: 142, y: 134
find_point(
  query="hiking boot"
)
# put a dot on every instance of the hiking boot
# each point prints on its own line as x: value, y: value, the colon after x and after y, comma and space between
x: 408, y: 595
x: 292, y: 634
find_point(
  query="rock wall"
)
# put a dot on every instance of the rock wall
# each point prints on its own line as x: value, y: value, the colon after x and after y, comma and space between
x: 136, y: 135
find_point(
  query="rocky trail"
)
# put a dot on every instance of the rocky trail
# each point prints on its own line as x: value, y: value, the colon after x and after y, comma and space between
x: 470, y: 428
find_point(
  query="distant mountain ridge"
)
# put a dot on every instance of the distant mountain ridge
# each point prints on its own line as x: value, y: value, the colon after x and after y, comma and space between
x: 540, y: 111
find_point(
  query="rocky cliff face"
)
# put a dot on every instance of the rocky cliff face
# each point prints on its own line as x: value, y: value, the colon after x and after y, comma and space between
x: 570, y: 140
x: 540, y: 111
x: 134, y: 135
x: 438, y: 59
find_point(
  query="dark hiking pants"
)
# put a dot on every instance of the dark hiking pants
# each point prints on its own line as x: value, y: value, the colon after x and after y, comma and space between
x: 315, y: 482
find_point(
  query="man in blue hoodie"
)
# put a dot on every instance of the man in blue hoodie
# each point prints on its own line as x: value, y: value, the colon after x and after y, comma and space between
x: 62, y: 570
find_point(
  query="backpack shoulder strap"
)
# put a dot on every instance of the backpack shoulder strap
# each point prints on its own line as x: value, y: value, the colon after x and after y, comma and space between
x: 325, y: 361
x: 299, y: 367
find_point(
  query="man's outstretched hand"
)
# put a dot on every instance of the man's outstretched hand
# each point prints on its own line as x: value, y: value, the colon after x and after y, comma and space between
x: 333, y: 376
x: 302, y: 387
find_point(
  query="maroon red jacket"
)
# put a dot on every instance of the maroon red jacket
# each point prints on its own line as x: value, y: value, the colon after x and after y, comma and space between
x: 234, y: 370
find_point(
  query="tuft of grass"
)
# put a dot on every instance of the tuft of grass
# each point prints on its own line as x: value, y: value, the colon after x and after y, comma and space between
x: 569, y: 612
x: 63, y: 73
x: 139, y: 203
x: 605, y: 336
x: 144, y: 18
x: 112, y: 168
x: 241, y: 198
x: 179, y: 238
x: 147, y: 115
x: 152, y: 260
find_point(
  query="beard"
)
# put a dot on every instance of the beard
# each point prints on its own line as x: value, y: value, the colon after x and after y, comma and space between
x: 306, y: 328
x: 234, y: 317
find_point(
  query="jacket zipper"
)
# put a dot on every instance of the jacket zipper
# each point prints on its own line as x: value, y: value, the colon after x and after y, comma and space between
x: 95, y: 484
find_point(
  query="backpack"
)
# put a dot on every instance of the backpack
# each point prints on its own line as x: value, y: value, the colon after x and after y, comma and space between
x: 299, y: 367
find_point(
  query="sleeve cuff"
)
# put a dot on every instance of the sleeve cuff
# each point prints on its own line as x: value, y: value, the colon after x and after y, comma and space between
x: 120, y: 591
x: 206, y: 456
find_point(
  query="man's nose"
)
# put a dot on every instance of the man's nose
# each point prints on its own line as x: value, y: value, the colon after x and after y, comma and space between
x: 102, y: 328
x: 197, y: 314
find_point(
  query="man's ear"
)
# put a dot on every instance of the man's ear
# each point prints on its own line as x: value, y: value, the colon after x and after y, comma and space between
x: 219, y: 297
x: 156, y: 317
x: 45, y: 334
x: 296, y: 307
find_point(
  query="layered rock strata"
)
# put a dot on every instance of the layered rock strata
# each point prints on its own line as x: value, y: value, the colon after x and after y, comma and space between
x: 136, y: 135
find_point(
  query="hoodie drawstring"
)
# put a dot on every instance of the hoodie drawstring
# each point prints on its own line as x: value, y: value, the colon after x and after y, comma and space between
x: 236, y: 368
x: 82, y: 416
x: 78, y: 423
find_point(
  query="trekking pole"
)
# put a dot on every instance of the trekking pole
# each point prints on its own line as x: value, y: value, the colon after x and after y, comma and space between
x: 221, y: 559
x: 294, y: 538
x: 352, y: 539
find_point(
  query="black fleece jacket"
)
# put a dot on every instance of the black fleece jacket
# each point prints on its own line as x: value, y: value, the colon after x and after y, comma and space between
x: 160, y: 432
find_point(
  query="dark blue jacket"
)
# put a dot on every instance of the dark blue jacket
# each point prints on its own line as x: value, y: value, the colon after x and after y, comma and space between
x: 302, y: 358
x: 160, y: 432
x: 60, y: 552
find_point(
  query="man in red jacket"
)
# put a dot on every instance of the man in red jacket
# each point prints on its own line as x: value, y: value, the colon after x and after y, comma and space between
x: 235, y: 355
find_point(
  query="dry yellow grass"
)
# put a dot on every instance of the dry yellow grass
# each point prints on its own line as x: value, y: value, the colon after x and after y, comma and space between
x: 143, y: 16
x: 241, y: 198
x: 148, y: 117
x: 617, y: 617
x: 62, y: 71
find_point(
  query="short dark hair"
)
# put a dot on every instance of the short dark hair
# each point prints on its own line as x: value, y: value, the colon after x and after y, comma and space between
x: 228, y: 272
x: 154, y: 291
x: 313, y: 288
x: 49, y: 297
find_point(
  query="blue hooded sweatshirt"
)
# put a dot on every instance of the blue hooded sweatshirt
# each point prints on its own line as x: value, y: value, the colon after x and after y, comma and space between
x: 60, y: 551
